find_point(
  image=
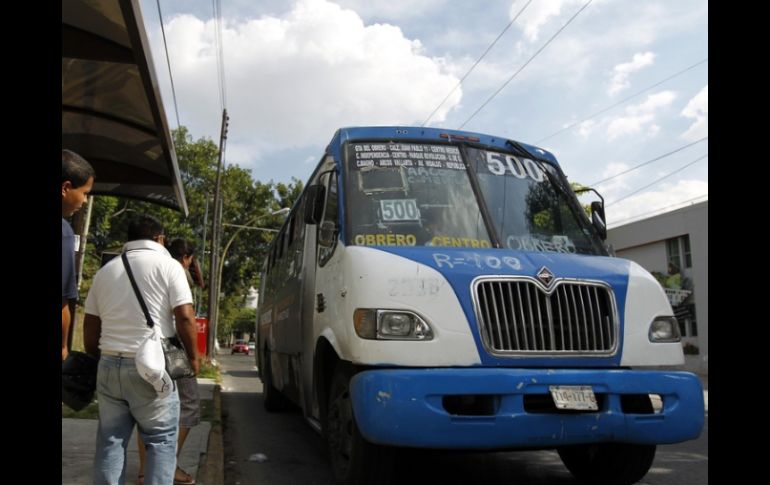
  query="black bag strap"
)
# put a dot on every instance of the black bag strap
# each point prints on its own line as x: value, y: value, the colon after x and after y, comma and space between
x: 150, y: 322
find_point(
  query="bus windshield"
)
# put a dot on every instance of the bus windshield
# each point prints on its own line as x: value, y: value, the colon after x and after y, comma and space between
x: 411, y: 194
x: 531, y: 209
x: 420, y: 194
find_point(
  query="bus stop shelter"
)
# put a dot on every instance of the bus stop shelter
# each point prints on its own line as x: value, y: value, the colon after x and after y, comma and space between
x: 112, y: 113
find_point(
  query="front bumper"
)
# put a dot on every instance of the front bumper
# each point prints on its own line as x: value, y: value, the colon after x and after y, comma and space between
x: 404, y: 407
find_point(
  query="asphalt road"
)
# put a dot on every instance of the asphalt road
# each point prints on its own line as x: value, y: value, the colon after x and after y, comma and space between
x: 282, y: 449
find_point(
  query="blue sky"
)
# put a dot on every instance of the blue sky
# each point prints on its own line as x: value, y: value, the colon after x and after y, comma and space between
x: 295, y: 71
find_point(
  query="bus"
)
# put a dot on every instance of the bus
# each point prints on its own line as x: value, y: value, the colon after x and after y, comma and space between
x: 444, y: 289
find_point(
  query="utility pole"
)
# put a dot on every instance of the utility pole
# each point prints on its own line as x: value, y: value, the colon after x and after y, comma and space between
x: 203, y: 254
x: 216, y: 232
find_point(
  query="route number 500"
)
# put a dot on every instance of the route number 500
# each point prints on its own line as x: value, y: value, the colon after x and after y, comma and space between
x: 399, y: 210
x: 519, y: 168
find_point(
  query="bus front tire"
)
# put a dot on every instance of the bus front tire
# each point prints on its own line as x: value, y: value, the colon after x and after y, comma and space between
x: 354, y: 460
x: 608, y: 463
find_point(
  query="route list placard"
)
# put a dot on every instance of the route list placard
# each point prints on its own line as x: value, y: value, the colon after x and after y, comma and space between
x: 389, y: 155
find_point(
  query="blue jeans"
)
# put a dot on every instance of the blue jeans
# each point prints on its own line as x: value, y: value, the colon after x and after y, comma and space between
x: 124, y: 399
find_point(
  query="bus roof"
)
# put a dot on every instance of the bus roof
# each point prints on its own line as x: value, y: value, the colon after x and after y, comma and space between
x: 436, y: 134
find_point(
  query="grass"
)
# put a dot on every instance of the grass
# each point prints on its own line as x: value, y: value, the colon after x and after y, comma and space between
x: 209, y: 371
x: 89, y: 412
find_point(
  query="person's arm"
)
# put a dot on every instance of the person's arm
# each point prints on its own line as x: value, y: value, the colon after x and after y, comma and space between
x: 65, y: 327
x: 92, y: 331
x: 69, y: 289
x: 187, y: 329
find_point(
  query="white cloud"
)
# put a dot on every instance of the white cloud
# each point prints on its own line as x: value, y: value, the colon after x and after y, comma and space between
x: 620, y: 182
x: 646, y: 204
x: 391, y: 9
x: 586, y: 128
x: 640, y: 116
x: 293, y: 79
x: 619, y: 79
x: 537, y: 14
x: 573, y: 58
x: 653, y: 102
x: 697, y: 108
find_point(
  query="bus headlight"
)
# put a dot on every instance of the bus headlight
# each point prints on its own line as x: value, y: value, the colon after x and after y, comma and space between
x: 664, y: 329
x: 390, y: 325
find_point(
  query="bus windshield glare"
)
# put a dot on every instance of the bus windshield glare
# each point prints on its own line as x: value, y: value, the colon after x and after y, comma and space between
x: 410, y: 194
x: 419, y: 194
x: 528, y: 211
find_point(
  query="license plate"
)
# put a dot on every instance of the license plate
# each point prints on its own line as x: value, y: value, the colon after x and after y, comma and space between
x: 574, y: 397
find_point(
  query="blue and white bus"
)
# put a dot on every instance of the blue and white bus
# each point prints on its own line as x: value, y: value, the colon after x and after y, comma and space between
x: 443, y: 289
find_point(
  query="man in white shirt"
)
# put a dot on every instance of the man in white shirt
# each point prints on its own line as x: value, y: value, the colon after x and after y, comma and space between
x: 114, y: 327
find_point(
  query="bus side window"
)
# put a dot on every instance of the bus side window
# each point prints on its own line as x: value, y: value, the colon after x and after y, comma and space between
x: 281, y: 263
x: 296, y: 246
x: 328, y: 224
x: 290, y: 230
x: 287, y: 240
x: 271, y: 263
x: 298, y: 227
x: 279, y: 245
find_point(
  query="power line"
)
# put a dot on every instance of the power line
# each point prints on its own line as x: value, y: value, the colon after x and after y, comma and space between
x: 476, y: 63
x: 658, y: 180
x: 526, y: 63
x: 621, y: 101
x: 659, y: 210
x: 168, y: 62
x: 648, y: 161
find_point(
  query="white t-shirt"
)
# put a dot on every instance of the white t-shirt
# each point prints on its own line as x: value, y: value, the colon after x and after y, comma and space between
x: 162, y: 282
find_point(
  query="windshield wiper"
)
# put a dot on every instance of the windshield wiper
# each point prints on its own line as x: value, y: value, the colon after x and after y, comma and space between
x: 569, y: 196
x: 551, y: 177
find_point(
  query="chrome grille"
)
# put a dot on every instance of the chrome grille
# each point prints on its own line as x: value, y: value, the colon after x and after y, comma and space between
x: 519, y: 315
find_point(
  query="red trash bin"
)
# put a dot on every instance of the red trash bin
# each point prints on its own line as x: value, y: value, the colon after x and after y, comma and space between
x: 203, y: 333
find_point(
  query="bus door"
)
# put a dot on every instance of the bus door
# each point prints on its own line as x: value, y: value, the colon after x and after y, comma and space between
x: 320, y: 305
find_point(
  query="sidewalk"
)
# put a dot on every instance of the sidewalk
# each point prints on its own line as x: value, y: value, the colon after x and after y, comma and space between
x: 79, y: 439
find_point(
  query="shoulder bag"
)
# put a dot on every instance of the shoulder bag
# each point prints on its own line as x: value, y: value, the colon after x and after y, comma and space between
x: 177, y: 363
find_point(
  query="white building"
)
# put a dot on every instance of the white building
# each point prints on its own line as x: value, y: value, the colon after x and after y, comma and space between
x: 670, y: 243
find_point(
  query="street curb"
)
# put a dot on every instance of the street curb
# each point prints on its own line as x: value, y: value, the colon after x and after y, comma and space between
x: 211, y: 471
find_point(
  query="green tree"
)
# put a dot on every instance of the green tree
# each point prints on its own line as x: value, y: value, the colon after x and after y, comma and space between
x: 243, y: 199
x: 238, y: 320
x: 579, y: 189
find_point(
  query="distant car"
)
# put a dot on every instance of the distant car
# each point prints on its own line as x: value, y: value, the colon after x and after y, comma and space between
x: 252, y: 345
x: 240, y: 347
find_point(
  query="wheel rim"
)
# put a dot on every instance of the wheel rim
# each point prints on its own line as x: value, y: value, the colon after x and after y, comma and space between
x: 340, y: 419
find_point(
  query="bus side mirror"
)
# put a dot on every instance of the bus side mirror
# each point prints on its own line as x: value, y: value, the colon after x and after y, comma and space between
x: 314, y: 204
x: 597, y: 218
x: 326, y: 234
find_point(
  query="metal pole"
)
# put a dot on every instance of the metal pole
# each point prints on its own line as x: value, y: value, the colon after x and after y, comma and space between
x: 203, y: 253
x: 215, y: 236
x: 82, y: 222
